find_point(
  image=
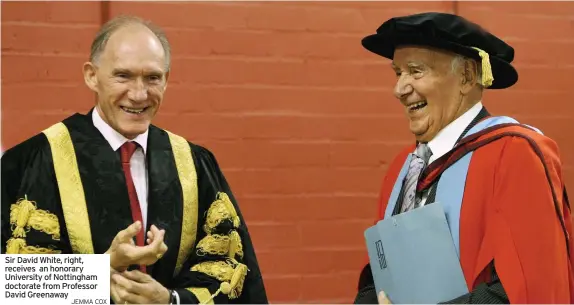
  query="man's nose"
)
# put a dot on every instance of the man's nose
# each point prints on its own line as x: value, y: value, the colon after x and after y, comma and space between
x: 403, y: 87
x: 138, y: 93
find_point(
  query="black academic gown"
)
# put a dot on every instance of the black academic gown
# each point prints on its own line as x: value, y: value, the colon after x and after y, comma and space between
x: 213, y: 216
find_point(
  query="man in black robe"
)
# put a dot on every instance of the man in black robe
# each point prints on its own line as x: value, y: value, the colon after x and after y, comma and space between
x: 95, y: 183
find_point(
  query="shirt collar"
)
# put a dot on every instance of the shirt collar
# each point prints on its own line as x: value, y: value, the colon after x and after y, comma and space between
x: 113, y: 137
x: 445, y: 140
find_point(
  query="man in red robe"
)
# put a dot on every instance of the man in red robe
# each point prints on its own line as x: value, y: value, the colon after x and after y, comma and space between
x: 511, y: 223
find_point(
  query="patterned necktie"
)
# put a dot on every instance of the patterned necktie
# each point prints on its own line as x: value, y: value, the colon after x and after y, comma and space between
x: 418, y: 162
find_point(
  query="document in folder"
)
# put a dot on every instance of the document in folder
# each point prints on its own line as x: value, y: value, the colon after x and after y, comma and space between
x: 413, y: 257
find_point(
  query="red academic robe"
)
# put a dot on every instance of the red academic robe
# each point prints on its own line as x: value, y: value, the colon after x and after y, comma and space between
x: 510, y: 214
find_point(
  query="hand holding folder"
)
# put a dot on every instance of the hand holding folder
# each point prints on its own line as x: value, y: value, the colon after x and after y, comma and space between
x: 413, y: 257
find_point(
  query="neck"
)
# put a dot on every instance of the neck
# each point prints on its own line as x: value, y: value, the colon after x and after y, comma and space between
x: 468, y: 101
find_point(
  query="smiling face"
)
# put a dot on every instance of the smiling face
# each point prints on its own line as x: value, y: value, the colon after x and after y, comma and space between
x: 130, y: 79
x: 431, y: 92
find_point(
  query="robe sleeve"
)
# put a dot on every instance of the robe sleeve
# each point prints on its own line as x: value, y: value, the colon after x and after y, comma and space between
x: 222, y: 267
x: 32, y: 220
x: 490, y: 292
x: 527, y: 238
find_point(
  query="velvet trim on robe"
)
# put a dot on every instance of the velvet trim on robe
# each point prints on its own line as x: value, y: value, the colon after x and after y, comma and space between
x: 28, y: 172
x: 508, y: 217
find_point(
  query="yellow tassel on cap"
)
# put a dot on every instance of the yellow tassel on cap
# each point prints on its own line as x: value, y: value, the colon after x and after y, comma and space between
x: 487, y: 77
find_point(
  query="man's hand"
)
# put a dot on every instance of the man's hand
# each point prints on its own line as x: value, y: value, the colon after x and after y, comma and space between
x: 123, y: 252
x: 383, y: 299
x: 113, y: 289
x: 150, y: 234
x: 135, y: 287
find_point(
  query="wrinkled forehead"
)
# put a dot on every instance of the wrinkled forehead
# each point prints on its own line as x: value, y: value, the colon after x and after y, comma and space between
x: 406, y: 55
x: 134, y: 49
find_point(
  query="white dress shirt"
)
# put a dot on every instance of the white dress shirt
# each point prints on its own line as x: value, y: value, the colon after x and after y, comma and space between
x: 446, y: 139
x: 138, y: 164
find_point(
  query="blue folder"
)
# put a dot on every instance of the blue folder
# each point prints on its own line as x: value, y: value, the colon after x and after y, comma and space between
x: 413, y: 257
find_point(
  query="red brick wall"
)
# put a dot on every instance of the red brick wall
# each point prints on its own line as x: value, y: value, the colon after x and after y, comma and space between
x: 300, y: 116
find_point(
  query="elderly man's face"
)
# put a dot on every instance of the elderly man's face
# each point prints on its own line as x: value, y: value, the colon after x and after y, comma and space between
x: 130, y: 79
x: 428, y: 88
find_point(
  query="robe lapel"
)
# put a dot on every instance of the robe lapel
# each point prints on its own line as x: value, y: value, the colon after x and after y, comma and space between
x: 103, y: 180
x: 164, y: 201
x: 106, y: 194
x: 481, y: 115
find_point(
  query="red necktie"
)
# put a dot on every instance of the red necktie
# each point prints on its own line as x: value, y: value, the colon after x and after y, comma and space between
x: 127, y: 150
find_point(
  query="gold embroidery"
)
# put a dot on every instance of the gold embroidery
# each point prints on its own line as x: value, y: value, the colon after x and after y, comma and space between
x: 213, y: 244
x: 188, y: 178
x: 235, y: 245
x: 18, y: 246
x: 221, y: 209
x: 19, y: 215
x: 45, y: 222
x: 71, y: 189
x: 232, y: 278
x: 217, y: 244
x: 217, y: 269
x: 24, y: 215
x: 202, y: 294
x: 237, y: 281
x: 234, y: 286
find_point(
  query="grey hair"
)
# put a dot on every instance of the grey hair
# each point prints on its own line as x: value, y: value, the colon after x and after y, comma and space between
x: 110, y: 27
x: 458, y: 61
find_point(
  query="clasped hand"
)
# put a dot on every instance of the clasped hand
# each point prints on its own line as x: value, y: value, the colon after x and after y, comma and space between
x: 136, y: 287
x: 124, y: 252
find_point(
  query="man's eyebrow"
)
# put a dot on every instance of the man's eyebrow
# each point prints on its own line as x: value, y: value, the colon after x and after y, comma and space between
x: 416, y: 65
x: 411, y: 64
x: 120, y: 70
x: 146, y: 72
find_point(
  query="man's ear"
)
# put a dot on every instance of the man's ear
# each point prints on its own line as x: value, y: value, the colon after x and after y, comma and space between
x: 468, y: 75
x: 90, y: 77
x: 166, y: 79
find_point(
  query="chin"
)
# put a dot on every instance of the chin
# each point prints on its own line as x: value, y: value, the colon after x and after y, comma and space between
x: 422, y: 130
x: 426, y: 136
x: 421, y: 136
x: 133, y: 131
